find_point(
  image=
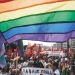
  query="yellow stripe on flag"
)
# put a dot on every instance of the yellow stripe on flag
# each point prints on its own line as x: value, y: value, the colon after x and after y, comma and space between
x: 59, y: 6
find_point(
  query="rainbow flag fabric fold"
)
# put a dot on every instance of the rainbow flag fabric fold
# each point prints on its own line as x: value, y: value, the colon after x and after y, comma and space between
x: 2, y: 57
x: 2, y: 50
x: 42, y: 20
x: 2, y: 61
x: 20, y: 48
x: 2, y: 40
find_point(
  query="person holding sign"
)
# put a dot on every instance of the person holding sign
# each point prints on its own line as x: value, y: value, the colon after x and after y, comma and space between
x: 50, y: 66
x: 55, y: 68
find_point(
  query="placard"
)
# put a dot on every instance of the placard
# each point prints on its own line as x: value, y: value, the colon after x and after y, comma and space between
x: 36, y: 71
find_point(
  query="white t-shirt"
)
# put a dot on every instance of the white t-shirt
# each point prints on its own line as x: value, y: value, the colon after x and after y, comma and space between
x: 44, y: 64
x: 25, y: 64
x: 56, y: 72
x: 19, y: 66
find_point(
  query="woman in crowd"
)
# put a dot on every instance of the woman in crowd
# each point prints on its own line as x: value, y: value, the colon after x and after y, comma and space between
x: 50, y: 66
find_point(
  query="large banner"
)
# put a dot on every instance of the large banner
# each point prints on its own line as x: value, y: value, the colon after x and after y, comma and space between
x: 36, y: 71
x: 55, y: 53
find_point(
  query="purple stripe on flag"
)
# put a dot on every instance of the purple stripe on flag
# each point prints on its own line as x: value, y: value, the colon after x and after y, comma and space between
x: 2, y: 65
x: 43, y: 37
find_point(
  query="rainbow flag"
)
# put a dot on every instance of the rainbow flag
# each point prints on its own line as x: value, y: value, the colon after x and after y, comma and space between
x: 2, y: 40
x: 63, y: 69
x: 42, y: 20
x: 2, y: 57
x: 2, y: 50
x: 20, y: 48
x: 2, y: 61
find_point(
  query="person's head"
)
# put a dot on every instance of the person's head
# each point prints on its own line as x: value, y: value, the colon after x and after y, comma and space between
x: 71, y: 73
x: 6, y: 68
x: 55, y: 65
x: 49, y: 65
x: 40, y: 65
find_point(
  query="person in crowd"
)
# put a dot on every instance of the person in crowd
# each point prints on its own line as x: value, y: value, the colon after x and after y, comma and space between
x: 35, y: 63
x: 71, y: 73
x: 50, y: 66
x: 40, y: 65
x: 44, y: 63
x: 73, y: 67
x: 5, y: 70
x: 55, y: 68
x: 68, y: 66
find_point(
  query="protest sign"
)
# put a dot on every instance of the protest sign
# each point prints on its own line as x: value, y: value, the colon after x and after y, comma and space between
x: 36, y: 71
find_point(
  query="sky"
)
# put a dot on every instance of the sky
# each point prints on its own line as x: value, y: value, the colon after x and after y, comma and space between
x: 25, y: 42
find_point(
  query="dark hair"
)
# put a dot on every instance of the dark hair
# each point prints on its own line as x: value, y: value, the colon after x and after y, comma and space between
x: 55, y: 64
x: 71, y: 72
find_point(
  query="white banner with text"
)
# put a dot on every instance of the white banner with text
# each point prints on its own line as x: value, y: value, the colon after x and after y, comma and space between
x: 36, y: 71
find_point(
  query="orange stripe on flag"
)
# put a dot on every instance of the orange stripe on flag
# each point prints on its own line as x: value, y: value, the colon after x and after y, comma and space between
x: 21, y: 4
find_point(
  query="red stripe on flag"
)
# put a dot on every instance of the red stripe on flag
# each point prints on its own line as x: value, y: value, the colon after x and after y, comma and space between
x: 3, y: 1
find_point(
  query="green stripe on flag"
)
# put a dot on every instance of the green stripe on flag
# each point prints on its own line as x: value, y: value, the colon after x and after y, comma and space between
x: 52, y: 17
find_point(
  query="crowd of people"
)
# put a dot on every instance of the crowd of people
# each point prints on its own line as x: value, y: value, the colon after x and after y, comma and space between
x: 15, y: 63
x: 54, y: 63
